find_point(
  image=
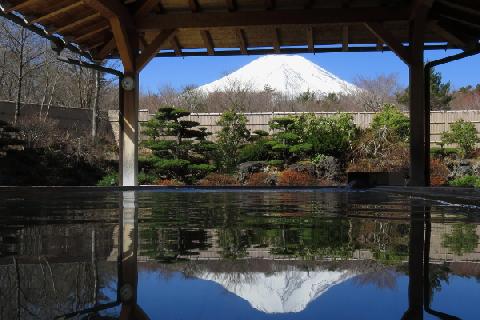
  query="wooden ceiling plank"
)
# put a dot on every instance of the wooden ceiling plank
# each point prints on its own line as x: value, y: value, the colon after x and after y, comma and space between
x: 310, y: 39
x: 460, y: 7
x: 208, y: 42
x: 90, y: 34
x: 308, y: 4
x: 77, y: 23
x: 242, y: 41
x: 153, y: 48
x: 384, y: 35
x: 419, y: 7
x: 57, y: 12
x: 21, y: 6
x: 269, y: 4
x: 112, y: 9
x: 207, y: 20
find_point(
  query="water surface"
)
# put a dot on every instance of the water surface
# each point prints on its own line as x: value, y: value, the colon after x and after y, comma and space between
x: 236, y: 254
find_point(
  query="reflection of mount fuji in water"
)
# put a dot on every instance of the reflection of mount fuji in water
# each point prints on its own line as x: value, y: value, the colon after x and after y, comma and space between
x: 280, y: 292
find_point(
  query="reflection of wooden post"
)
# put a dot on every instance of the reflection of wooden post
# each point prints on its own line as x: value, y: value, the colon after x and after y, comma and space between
x: 128, y: 254
x: 415, y: 263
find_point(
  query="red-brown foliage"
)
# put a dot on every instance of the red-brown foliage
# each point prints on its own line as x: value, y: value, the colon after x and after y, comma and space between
x: 257, y: 179
x: 295, y: 178
x: 216, y: 179
x: 168, y: 183
x: 438, y: 173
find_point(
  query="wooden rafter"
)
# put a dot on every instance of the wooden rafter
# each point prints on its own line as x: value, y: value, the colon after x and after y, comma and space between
x: 152, y: 49
x: 208, y: 42
x: 91, y: 34
x: 268, y: 18
x: 145, y: 8
x: 75, y: 24
x: 460, y: 7
x: 419, y: 7
x: 310, y: 39
x: 56, y: 12
x: 269, y: 4
x: 308, y: 4
x: 242, y: 41
x: 384, y: 35
x: 107, y: 48
x: 21, y: 6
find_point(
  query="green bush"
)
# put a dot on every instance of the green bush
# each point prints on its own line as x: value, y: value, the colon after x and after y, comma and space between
x: 145, y: 178
x: 232, y: 136
x: 109, y: 180
x: 259, y: 150
x: 394, y: 120
x: 466, y: 181
x: 331, y: 136
x: 464, y: 134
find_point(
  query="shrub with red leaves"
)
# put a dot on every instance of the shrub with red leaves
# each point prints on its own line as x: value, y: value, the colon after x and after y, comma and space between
x: 296, y: 178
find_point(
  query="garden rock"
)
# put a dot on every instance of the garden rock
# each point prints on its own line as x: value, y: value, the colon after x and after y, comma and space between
x: 460, y: 168
x: 306, y: 167
x: 328, y: 168
x: 247, y: 168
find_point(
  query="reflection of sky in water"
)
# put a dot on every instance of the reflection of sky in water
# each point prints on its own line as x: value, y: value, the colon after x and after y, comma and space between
x: 179, y: 298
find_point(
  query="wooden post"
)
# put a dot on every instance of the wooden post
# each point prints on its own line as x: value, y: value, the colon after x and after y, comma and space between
x: 418, y: 157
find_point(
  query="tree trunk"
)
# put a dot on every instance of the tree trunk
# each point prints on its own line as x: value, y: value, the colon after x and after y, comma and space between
x: 95, y: 105
x: 20, y: 77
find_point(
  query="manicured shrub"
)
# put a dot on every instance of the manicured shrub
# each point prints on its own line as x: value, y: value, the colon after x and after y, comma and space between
x: 286, y: 143
x: 216, y: 179
x: 179, y: 147
x: 259, y: 150
x: 466, y: 181
x: 295, y: 178
x: 145, y: 178
x: 331, y: 136
x: 394, y: 120
x: 232, y: 136
x: 464, y: 134
x: 438, y: 173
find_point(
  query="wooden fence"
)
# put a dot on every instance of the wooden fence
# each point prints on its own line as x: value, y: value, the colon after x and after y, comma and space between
x: 439, y: 122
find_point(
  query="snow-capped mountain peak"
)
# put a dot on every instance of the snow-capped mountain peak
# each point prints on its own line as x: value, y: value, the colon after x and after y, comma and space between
x: 291, y: 75
x: 280, y: 292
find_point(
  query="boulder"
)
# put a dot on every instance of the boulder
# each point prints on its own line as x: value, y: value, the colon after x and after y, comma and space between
x: 303, y: 166
x: 247, y: 168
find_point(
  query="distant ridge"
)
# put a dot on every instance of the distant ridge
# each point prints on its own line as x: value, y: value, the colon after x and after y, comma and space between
x: 290, y: 75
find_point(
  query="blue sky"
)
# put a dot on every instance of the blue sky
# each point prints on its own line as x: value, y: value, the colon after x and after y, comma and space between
x: 178, y: 71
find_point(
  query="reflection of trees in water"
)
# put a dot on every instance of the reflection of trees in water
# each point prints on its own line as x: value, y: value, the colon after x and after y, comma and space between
x: 463, y: 239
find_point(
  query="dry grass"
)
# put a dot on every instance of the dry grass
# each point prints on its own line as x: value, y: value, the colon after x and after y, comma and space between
x: 216, y: 179
x: 295, y: 178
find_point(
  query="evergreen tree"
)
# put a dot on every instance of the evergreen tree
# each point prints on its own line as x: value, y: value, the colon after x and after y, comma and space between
x: 179, y: 148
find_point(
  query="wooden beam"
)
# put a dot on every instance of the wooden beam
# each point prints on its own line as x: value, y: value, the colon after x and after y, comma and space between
x: 310, y: 39
x: 55, y: 13
x: 176, y: 46
x: 193, y: 4
x: 460, y: 7
x: 384, y: 35
x: 206, y: 20
x: 345, y: 38
x: 447, y: 35
x: 145, y: 8
x: 379, y: 45
x: 112, y: 9
x: 152, y: 49
x: 208, y: 42
x: 308, y: 4
x: 77, y: 23
x: 242, y: 41
x: 121, y: 23
x: 419, y: 7
x: 106, y: 49
x: 276, y: 40
x: 231, y: 5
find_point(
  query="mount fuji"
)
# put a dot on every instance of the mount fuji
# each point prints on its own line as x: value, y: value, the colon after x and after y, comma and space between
x: 290, y: 75
x: 281, y: 292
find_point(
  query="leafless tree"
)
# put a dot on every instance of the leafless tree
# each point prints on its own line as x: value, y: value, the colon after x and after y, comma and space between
x: 375, y: 92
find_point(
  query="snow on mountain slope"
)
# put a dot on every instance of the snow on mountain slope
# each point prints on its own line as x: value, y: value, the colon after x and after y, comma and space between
x: 281, y: 292
x: 291, y: 75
